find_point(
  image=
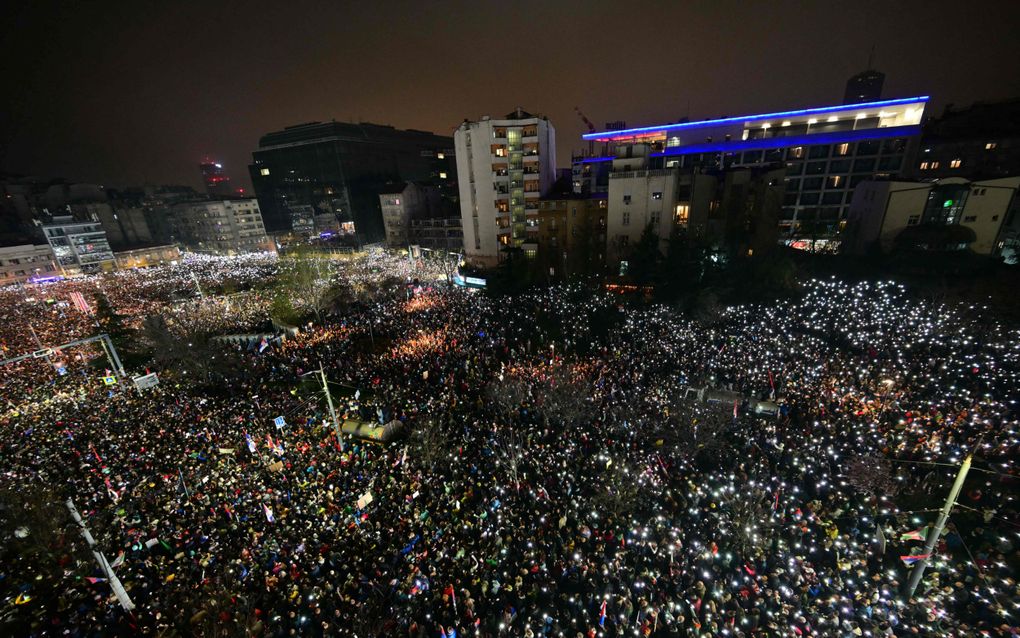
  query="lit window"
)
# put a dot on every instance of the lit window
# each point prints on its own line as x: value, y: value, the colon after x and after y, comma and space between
x: 657, y: 195
x: 842, y: 149
x: 835, y: 181
x: 955, y: 163
x: 681, y: 214
x: 442, y: 175
x: 990, y: 146
x: 264, y: 172
x: 924, y: 166
x: 440, y: 155
x: 934, y: 165
x: 797, y: 151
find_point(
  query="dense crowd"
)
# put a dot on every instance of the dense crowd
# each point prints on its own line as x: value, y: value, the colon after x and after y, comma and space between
x: 558, y: 478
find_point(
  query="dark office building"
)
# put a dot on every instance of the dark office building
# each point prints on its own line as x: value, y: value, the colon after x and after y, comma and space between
x: 305, y: 172
x: 217, y: 184
x: 864, y: 87
x: 981, y: 141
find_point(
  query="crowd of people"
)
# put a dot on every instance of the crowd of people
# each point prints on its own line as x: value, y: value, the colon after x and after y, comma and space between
x: 557, y: 479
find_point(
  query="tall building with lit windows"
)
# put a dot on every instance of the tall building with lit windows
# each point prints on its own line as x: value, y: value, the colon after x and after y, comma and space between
x: 217, y: 184
x: 826, y: 152
x: 504, y: 166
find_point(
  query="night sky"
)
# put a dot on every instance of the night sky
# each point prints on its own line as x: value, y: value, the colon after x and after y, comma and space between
x: 140, y: 92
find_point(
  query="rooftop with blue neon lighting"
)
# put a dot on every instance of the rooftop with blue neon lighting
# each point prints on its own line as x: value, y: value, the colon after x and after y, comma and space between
x: 880, y: 118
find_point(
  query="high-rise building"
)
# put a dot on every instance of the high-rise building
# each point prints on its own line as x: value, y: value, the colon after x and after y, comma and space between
x: 338, y: 170
x: 222, y: 227
x: 826, y: 152
x: 864, y: 87
x: 217, y: 184
x: 504, y: 166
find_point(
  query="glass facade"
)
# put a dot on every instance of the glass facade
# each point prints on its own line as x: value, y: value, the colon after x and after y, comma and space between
x: 339, y: 169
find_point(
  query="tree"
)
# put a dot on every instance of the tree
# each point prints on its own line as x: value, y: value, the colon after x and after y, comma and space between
x: 306, y: 280
x: 431, y: 443
x: 564, y: 400
x: 185, y: 348
x: 873, y: 476
x: 110, y: 321
x: 37, y: 539
x: 749, y: 516
x: 643, y: 264
x: 683, y: 267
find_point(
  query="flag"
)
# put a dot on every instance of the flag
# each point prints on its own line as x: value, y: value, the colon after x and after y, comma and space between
x: 734, y: 409
x: 251, y: 442
x: 916, y: 535
x: 80, y: 303
x: 910, y: 560
x: 602, y: 615
x: 263, y: 345
x: 119, y: 561
x: 269, y: 513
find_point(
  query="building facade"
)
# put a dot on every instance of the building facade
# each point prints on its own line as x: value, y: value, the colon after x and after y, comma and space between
x: 981, y: 141
x: 217, y: 183
x: 438, y: 233
x: 146, y: 257
x: 864, y: 87
x: 79, y: 246
x: 24, y: 262
x: 221, y: 227
x: 402, y: 202
x: 826, y: 152
x: 504, y: 166
x: 882, y: 210
x: 572, y: 236
x: 338, y: 170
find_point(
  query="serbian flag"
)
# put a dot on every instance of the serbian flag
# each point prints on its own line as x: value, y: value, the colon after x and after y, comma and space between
x: 602, y: 615
x: 251, y: 442
x: 269, y: 513
x: 910, y: 560
x: 916, y: 535
x: 263, y: 345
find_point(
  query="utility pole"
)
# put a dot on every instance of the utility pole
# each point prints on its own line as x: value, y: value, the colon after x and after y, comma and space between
x: 39, y: 343
x: 111, y: 576
x: 933, y: 536
x: 329, y: 400
x: 111, y: 354
x: 194, y: 277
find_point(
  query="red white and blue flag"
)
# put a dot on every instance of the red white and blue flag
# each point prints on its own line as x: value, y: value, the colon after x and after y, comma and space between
x: 269, y: 513
x: 913, y: 558
x: 602, y: 615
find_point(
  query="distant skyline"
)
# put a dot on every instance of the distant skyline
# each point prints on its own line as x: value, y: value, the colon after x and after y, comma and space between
x: 130, y: 93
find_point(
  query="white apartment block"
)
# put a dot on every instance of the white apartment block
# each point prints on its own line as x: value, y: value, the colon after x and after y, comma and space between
x: 882, y: 209
x: 504, y: 166
x: 639, y: 197
x: 222, y: 227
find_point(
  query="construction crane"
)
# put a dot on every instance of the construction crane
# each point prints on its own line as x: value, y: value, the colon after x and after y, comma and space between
x: 591, y: 129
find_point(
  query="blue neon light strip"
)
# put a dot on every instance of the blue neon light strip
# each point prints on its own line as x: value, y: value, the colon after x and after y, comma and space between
x: 781, y: 142
x: 824, y: 110
x: 793, y: 140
